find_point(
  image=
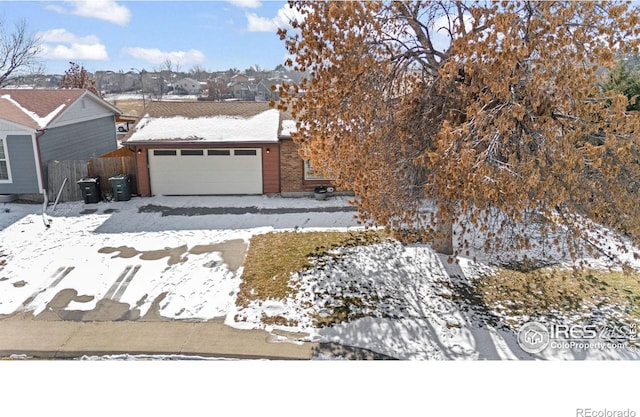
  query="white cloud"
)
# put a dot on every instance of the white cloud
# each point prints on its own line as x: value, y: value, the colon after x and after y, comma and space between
x: 64, y: 36
x: 62, y: 44
x: 108, y: 10
x: 156, y: 56
x: 75, y: 51
x: 249, y: 4
x: 56, y: 8
x: 257, y: 23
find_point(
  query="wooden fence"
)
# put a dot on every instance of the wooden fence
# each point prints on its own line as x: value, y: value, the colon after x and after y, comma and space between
x: 74, y: 171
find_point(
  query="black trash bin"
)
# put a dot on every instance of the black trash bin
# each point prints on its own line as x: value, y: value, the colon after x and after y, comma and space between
x: 121, y: 187
x: 320, y: 192
x: 90, y: 188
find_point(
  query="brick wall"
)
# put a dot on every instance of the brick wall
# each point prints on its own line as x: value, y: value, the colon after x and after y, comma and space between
x: 144, y: 185
x: 291, y: 168
x: 270, y: 168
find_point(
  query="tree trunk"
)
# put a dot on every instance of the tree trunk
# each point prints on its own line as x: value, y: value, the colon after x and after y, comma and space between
x: 443, y: 240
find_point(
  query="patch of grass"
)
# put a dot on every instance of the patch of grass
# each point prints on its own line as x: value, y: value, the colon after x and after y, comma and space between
x: 130, y: 107
x: 274, y: 257
x: 549, y: 290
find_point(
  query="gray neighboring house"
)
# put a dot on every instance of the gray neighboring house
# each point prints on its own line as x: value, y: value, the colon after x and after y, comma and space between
x: 38, y: 126
x: 188, y: 86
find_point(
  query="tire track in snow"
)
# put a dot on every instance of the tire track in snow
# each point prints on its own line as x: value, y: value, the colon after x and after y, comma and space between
x: 38, y: 297
x: 119, y: 287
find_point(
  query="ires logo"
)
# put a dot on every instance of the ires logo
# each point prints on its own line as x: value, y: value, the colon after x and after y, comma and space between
x: 592, y: 331
x: 533, y: 337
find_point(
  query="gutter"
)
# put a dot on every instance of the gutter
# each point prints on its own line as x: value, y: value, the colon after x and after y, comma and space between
x: 171, y: 143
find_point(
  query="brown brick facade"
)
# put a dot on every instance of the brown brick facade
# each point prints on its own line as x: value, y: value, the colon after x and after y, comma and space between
x: 271, y: 168
x: 292, y: 170
x: 144, y: 183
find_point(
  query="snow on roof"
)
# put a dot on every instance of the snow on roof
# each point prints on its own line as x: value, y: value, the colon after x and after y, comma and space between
x: 41, y: 121
x: 288, y: 127
x: 262, y: 127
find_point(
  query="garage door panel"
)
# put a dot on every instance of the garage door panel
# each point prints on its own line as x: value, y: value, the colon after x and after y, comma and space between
x: 217, y: 172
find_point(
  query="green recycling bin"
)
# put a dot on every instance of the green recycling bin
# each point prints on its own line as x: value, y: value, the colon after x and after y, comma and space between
x: 90, y: 188
x: 121, y: 187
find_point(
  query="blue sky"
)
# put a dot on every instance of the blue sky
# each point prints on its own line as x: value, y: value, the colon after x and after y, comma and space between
x: 120, y: 35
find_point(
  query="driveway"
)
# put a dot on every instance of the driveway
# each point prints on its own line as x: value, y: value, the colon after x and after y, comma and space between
x: 152, y: 259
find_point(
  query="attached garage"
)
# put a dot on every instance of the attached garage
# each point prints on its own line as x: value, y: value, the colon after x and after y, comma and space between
x: 205, y: 171
x: 207, y: 148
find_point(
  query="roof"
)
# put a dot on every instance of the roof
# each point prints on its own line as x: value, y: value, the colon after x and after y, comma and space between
x: 195, y: 109
x: 287, y: 128
x: 207, y: 122
x: 37, y: 108
x: 12, y: 113
x: 287, y: 125
x: 187, y: 80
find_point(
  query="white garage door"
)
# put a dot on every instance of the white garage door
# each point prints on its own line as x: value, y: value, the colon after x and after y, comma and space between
x: 205, y: 171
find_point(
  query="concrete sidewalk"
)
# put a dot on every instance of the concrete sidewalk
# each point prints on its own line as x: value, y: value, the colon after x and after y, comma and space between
x: 66, y: 339
x: 43, y: 339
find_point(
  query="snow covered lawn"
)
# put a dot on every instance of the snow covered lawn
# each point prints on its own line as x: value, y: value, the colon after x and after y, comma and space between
x: 174, y: 258
x: 134, y: 253
x: 131, y: 268
x: 410, y: 303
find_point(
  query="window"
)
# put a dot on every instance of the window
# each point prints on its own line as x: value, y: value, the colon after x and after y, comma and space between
x: 164, y: 153
x: 312, y: 174
x: 4, y: 162
x: 187, y: 152
x: 238, y: 152
x: 219, y: 152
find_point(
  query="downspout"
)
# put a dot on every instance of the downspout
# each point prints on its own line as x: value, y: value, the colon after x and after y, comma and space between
x: 39, y: 167
x: 43, y: 191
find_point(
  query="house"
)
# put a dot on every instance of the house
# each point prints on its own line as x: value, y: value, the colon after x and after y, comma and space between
x: 264, y: 90
x: 242, y: 87
x: 38, y: 126
x: 187, y: 86
x: 218, y: 148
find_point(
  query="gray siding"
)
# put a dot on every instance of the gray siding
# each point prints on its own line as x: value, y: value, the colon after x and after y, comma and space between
x: 23, y: 168
x: 78, y: 141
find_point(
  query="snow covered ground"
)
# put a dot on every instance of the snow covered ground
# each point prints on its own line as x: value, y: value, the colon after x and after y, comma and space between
x: 183, y: 257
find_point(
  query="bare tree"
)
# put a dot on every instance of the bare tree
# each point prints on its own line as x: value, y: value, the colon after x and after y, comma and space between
x: 78, y: 77
x: 18, y: 50
x: 167, y: 65
x: 199, y: 73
